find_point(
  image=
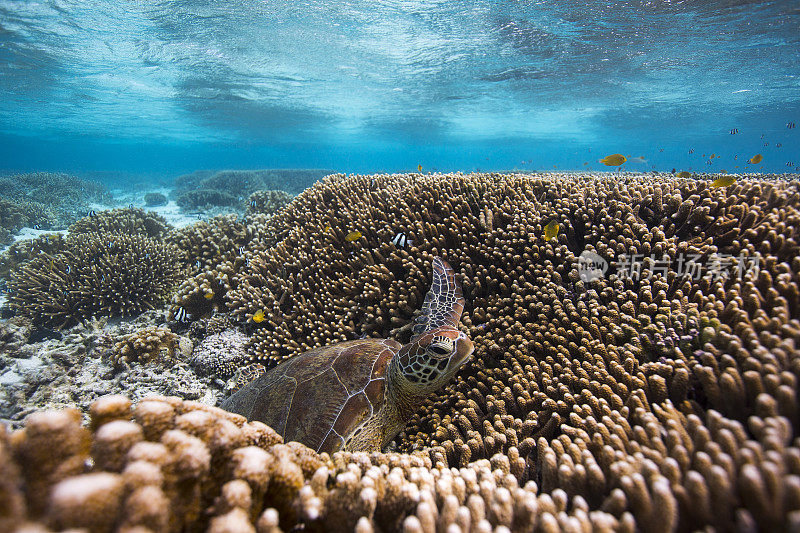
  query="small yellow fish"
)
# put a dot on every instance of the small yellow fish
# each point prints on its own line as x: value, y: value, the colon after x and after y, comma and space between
x: 713, y: 156
x: 551, y: 230
x: 258, y: 316
x: 585, y: 163
x: 684, y: 174
x: 327, y: 228
x: 353, y: 236
x: 613, y: 160
x: 208, y: 295
x: 723, y: 181
x: 419, y: 168
x: 756, y: 159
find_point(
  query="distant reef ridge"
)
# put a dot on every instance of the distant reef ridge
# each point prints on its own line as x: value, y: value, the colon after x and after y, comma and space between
x: 206, y: 189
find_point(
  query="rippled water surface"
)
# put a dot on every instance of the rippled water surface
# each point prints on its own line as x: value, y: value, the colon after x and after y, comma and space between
x: 169, y: 86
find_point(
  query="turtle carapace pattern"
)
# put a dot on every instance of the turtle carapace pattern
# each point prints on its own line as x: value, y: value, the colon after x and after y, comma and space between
x: 358, y: 395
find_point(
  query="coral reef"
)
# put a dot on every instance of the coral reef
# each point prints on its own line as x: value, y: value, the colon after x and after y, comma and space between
x: 204, y: 199
x: 14, y: 215
x: 126, y: 221
x: 624, y: 389
x: 154, y: 199
x: 22, y: 251
x: 94, y: 274
x: 208, y: 243
x: 242, y: 183
x: 267, y: 202
x: 75, y: 369
x: 167, y: 464
x: 152, y: 344
x: 640, y: 398
x: 220, y: 354
x: 14, y: 333
x: 48, y: 200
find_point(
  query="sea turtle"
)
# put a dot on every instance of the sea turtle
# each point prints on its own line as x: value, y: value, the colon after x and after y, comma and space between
x: 358, y: 395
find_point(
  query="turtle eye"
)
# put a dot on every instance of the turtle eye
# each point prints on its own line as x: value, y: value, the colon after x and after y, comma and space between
x: 439, y: 350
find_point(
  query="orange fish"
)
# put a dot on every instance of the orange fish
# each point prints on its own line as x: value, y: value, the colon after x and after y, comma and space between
x: 353, y: 236
x: 723, y: 181
x: 613, y: 160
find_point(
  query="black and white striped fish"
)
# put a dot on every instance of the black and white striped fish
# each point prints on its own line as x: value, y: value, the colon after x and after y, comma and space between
x: 181, y: 315
x: 401, y: 240
x: 92, y: 213
x: 241, y: 250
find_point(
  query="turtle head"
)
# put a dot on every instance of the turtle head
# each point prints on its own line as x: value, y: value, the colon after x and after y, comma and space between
x: 430, y: 360
x: 438, y: 349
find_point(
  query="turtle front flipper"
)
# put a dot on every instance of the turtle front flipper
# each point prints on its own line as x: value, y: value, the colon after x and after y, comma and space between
x: 444, y: 302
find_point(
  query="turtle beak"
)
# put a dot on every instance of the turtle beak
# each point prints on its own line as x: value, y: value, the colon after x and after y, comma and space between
x: 464, y: 349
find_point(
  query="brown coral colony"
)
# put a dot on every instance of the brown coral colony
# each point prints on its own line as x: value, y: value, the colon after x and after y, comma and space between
x: 630, y: 400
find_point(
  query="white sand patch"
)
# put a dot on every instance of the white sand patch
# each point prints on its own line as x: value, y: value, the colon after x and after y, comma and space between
x: 174, y: 216
x: 170, y: 211
x: 31, y: 233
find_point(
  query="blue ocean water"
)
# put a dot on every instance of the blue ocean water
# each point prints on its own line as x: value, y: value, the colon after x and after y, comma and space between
x: 164, y: 87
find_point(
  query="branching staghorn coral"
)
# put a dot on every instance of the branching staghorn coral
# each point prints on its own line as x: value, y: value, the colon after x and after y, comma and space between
x: 267, y: 202
x: 22, y: 251
x: 125, y: 221
x: 210, y: 242
x: 14, y: 215
x: 575, y: 366
x: 94, y: 274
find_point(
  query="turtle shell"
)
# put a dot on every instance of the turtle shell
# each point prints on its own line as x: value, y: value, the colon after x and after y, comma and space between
x: 321, y: 396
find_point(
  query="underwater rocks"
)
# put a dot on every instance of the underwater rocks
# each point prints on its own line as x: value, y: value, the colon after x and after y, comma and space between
x: 87, y: 363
